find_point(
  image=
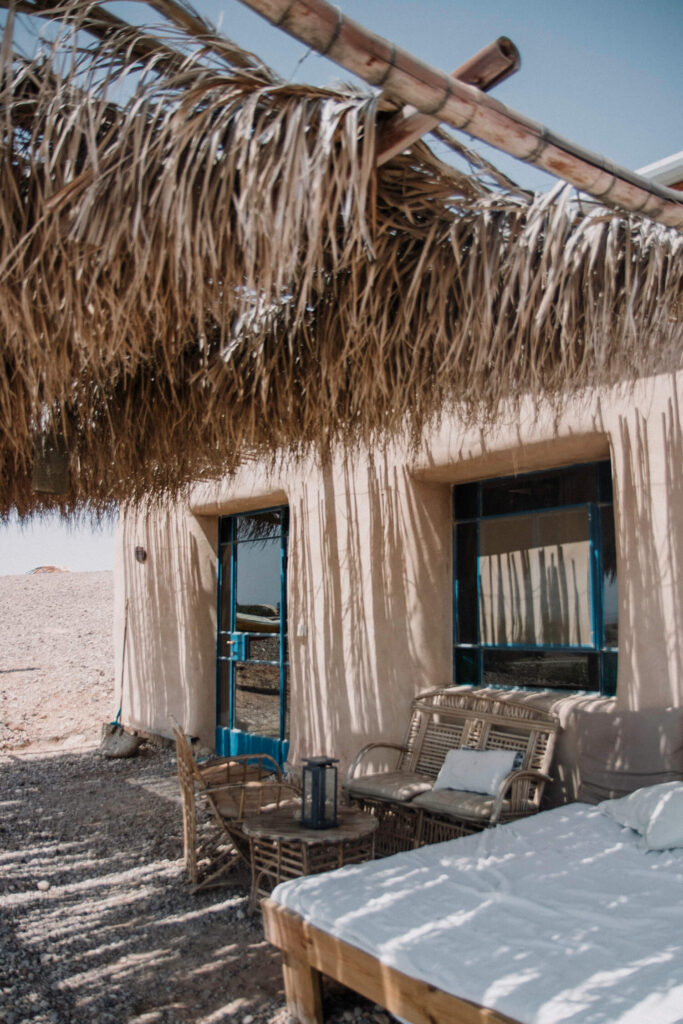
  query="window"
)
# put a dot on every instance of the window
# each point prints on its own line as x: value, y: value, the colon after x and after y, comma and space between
x: 535, y: 583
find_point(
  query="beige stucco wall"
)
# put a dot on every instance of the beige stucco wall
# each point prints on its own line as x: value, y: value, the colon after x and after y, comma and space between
x: 165, y: 621
x: 370, y: 572
x: 369, y: 580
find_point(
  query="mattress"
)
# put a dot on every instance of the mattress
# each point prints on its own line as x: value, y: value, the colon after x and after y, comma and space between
x: 562, y: 917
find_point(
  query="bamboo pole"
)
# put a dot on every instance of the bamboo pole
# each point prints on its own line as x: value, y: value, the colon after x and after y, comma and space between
x: 487, y: 68
x: 408, y: 80
x: 491, y: 65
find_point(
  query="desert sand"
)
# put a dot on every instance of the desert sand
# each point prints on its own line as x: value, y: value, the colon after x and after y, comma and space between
x: 98, y: 924
x: 56, y: 659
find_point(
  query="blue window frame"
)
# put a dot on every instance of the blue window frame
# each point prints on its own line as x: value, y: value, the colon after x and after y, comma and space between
x: 534, y: 581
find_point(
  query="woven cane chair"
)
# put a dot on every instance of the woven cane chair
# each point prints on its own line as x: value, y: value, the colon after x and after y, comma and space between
x: 231, y: 789
x: 410, y: 812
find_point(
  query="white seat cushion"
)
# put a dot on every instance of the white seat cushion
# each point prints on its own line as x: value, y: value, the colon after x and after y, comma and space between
x: 399, y: 787
x: 455, y: 803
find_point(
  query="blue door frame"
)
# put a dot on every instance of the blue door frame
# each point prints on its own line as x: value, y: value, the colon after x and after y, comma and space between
x: 238, y: 648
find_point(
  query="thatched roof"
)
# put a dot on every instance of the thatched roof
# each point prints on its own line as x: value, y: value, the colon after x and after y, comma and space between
x: 201, y: 261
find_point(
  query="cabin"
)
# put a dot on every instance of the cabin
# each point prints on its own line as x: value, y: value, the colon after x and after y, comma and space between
x: 298, y: 605
x: 377, y: 422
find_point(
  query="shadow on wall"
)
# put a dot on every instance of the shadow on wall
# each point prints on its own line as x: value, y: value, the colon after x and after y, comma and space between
x: 650, y: 542
x: 372, y: 556
x: 620, y: 751
x: 672, y: 438
x: 611, y: 747
x: 170, y: 654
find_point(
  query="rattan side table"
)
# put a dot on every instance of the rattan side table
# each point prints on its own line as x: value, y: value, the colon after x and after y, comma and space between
x: 281, y: 848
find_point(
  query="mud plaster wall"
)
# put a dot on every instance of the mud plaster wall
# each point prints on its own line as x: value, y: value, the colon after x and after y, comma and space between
x: 370, y: 574
x: 165, y: 621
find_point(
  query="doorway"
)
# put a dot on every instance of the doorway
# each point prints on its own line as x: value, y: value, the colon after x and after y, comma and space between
x: 252, y: 714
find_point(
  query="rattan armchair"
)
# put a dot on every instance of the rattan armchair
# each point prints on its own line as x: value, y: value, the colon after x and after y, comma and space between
x: 230, y: 790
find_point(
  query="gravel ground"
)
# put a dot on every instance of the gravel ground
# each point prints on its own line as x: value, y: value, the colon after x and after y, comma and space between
x: 97, y: 921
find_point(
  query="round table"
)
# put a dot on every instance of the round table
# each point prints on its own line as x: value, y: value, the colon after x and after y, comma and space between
x: 281, y: 848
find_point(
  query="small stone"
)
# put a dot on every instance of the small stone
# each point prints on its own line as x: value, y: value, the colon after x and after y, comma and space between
x: 249, y: 1019
x: 43, y: 885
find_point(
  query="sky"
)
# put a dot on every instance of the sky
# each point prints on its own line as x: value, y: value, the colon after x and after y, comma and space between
x: 606, y: 74
x: 80, y: 547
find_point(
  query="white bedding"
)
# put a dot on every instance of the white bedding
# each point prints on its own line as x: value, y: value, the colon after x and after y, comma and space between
x: 560, y: 917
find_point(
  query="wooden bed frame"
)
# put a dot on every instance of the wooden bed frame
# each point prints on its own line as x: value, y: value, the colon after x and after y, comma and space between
x: 308, y: 953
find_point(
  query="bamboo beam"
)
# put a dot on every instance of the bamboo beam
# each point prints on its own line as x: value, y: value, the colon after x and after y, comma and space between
x: 487, y: 68
x: 408, y: 80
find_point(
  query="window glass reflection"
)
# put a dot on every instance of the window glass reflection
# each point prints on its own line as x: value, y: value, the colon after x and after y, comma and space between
x: 534, y: 579
x: 610, y: 592
x: 573, y: 486
x: 557, y: 670
x: 257, y: 699
x: 252, y: 672
x: 466, y: 560
x: 258, y: 586
x: 258, y: 525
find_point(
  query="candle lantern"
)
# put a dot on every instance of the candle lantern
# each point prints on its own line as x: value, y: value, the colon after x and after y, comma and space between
x: 319, y: 800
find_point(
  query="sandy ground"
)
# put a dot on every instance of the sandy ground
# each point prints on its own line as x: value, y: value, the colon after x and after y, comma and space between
x: 97, y: 921
x: 56, y: 659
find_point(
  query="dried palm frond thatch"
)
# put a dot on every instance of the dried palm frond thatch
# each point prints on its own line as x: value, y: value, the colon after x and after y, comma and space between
x: 200, y: 260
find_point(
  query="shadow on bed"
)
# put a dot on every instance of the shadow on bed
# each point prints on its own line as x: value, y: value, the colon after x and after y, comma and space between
x: 565, y: 917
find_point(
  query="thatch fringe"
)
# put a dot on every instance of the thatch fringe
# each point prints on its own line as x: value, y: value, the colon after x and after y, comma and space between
x: 202, y: 261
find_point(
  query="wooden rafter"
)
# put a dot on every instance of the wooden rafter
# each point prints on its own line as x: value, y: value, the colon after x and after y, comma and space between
x: 487, y: 68
x: 406, y: 79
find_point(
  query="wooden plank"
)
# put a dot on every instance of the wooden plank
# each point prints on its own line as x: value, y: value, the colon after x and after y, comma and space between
x: 303, y: 989
x: 407, y: 997
x: 487, y: 68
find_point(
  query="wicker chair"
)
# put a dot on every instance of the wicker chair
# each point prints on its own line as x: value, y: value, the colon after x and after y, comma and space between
x: 410, y: 812
x: 232, y: 789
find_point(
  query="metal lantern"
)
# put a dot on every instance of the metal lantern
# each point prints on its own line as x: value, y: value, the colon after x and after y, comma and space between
x: 319, y: 801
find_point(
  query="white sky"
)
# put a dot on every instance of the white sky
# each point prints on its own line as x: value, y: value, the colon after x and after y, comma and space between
x: 607, y: 74
x: 51, y: 541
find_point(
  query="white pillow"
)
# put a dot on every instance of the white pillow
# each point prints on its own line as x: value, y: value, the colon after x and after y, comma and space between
x: 654, y: 811
x: 475, y: 771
